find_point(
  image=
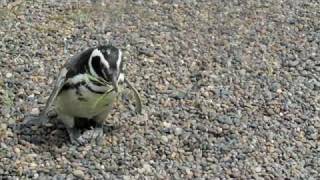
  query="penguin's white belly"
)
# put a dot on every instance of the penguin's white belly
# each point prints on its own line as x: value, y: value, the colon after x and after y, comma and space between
x: 85, y: 104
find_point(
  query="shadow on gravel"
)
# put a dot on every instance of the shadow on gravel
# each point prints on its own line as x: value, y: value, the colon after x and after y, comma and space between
x: 53, y: 133
x: 46, y: 135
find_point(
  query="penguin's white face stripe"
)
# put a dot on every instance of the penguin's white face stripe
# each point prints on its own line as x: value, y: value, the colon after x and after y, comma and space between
x: 94, y: 53
x: 119, y: 60
x: 105, y: 62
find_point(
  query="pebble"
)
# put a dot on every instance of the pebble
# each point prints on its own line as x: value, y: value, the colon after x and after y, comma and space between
x: 78, y: 173
x: 166, y: 124
x: 258, y: 169
x: 17, y: 151
x: 147, y: 168
x: 178, y: 131
x: 70, y: 177
x: 164, y: 139
x: 293, y: 63
x: 35, y: 111
x: 30, y: 97
x: 8, y: 75
x: 3, y: 146
x: 36, y: 176
x: 36, y: 92
x: 3, y: 126
x: 33, y: 165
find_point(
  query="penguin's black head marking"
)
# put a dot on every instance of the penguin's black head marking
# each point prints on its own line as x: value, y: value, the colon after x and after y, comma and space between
x: 106, y: 62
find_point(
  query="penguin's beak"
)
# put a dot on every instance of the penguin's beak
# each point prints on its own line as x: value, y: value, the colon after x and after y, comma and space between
x: 115, y: 81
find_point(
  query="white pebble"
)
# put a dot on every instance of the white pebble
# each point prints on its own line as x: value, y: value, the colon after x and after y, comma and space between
x: 17, y: 151
x: 166, y: 124
x: 8, y: 75
x: 258, y: 169
x: 79, y: 173
x: 164, y: 139
x: 147, y: 168
x: 37, y: 92
x: 33, y: 165
x: 178, y: 131
x: 3, y: 126
x: 35, y: 111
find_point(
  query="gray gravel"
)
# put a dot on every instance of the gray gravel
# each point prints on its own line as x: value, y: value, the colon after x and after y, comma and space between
x: 230, y: 89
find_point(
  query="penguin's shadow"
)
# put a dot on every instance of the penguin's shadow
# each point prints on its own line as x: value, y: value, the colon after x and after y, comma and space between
x: 47, y: 134
x: 52, y: 133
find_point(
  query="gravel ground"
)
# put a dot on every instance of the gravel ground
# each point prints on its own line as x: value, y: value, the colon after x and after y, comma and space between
x: 230, y: 89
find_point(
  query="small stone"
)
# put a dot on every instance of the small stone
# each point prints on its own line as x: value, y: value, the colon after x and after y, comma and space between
x: 188, y: 171
x: 8, y: 75
x: 7, y: 115
x: 21, y: 92
x: 279, y: 91
x: 11, y: 121
x: 3, y: 146
x: 166, y: 124
x: 179, y: 95
x: 258, y: 169
x: 225, y: 120
x: 30, y: 97
x: 147, y: 168
x: 70, y: 177
x: 37, y: 92
x: 3, y: 126
x: 9, y: 133
x: 164, y: 139
x: 78, y: 173
x: 205, y: 94
x: 35, y: 111
x: 218, y: 130
x: 17, y: 151
x: 59, y: 177
x: 178, y: 131
x: 146, y: 51
x: 293, y: 63
x: 35, y: 176
x: 33, y: 165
